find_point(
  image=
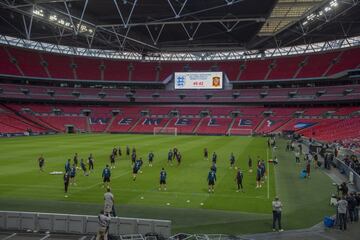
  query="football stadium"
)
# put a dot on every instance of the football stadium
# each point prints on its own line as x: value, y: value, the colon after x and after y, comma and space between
x: 179, y: 119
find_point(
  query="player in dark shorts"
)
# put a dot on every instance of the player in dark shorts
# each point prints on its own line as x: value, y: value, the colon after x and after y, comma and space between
x: 76, y: 160
x: 119, y: 152
x: 239, y: 178
x: 214, y: 157
x: 91, y: 162
x: 211, y: 180
x: 106, y: 174
x: 151, y: 158
x: 114, y: 151
x: 127, y: 151
x: 112, y: 160
x: 250, y: 164
x: 175, y: 153
x: 41, y: 162
x: 213, y: 167
x: 67, y: 166
x: 66, y: 182
x: 178, y: 158
x: 258, y: 176
x: 170, y: 157
x: 232, y: 160
x: 163, y: 175
x: 73, y: 175
x: 206, y: 154
x: 83, y: 167
x: 136, y: 169
x: 133, y: 158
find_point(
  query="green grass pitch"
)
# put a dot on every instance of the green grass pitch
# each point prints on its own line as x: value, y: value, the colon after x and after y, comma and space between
x: 186, y: 201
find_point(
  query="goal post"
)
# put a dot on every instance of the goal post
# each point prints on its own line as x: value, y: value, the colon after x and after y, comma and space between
x: 165, y: 130
x: 240, y: 131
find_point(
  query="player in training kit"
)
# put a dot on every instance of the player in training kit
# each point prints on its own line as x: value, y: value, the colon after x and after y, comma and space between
x: 213, y: 167
x: 263, y: 171
x: 175, y: 153
x: 41, y: 162
x: 178, y: 158
x: 106, y: 174
x: 66, y: 182
x: 239, y: 178
x: 83, y: 167
x: 76, y: 160
x: 112, y: 160
x: 232, y: 160
x: 163, y: 176
x: 67, y: 166
x: 170, y: 157
x: 151, y: 158
x: 133, y: 157
x: 258, y: 176
x: 250, y: 164
x: 214, y: 157
x: 211, y: 180
x: 114, y: 151
x: 127, y: 151
x: 73, y: 175
x: 91, y: 162
x: 119, y: 152
x: 206, y: 154
x: 136, y: 169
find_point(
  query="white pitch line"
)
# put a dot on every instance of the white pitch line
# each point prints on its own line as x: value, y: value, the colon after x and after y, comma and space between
x: 46, y: 237
x: 8, y: 237
x: 268, y: 177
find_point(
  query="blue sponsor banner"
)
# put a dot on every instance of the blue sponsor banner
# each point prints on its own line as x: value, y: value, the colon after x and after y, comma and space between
x: 245, y: 122
x: 152, y: 121
x: 183, y: 122
x: 301, y: 125
x: 125, y: 121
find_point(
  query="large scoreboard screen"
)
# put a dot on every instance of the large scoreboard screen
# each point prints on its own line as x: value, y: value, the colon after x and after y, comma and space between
x: 198, y: 80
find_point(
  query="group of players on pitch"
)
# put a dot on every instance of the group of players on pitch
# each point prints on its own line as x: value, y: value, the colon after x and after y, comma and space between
x: 137, y: 163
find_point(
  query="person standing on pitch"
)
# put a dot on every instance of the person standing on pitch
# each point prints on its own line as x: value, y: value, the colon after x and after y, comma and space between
x: 163, y: 175
x: 277, y: 209
x: 106, y: 174
x: 239, y: 178
x: 66, y: 182
x: 41, y: 162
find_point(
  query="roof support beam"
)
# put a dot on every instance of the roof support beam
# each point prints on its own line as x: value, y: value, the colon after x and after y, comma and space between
x: 177, y: 14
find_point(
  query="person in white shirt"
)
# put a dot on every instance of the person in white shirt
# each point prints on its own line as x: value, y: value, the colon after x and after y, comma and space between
x: 104, y: 223
x: 109, y: 203
x: 277, y: 209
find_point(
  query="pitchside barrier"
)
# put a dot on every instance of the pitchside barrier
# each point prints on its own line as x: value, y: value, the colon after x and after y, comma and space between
x: 80, y: 224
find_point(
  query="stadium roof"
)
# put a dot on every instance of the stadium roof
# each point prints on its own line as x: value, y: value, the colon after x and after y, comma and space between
x: 158, y: 26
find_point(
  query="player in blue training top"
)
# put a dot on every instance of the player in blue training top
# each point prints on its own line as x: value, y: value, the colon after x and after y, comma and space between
x: 213, y: 167
x: 136, y: 168
x: 239, y: 179
x: 163, y: 176
x: 170, y: 157
x: 133, y: 158
x: 76, y: 160
x: 258, y: 175
x: 67, y: 166
x: 106, y: 174
x: 41, y: 161
x: 151, y: 158
x: 83, y: 167
x: 214, y: 157
x: 211, y: 180
x: 73, y: 175
x: 178, y: 157
x: 232, y: 160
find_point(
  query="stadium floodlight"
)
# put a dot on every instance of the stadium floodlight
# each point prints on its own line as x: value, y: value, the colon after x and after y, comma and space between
x: 62, y: 21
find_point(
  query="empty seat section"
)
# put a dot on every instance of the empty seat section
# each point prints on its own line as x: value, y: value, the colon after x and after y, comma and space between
x: 144, y: 71
x: 59, y: 66
x: 7, y: 67
x: 316, y: 65
x: 255, y: 69
x: 231, y: 69
x: 29, y: 62
x: 87, y: 68
x: 286, y: 67
x: 116, y: 70
x: 350, y: 59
